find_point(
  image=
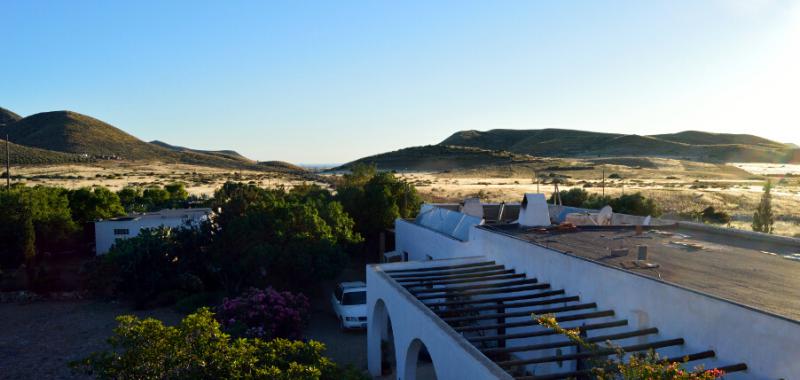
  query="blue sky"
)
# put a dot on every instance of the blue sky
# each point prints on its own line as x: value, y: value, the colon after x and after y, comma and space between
x: 328, y: 82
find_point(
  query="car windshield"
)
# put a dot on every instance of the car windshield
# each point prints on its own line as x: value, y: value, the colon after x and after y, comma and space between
x: 354, y: 298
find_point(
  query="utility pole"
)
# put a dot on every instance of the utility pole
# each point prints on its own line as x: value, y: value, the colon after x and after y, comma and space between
x: 536, y: 178
x: 604, y: 181
x: 8, y: 165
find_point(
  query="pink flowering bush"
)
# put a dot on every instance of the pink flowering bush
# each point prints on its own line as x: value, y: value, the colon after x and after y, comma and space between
x: 265, y: 314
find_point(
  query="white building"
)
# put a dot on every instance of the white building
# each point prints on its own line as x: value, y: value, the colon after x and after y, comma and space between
x: 460, y: 306
x: 109, y: 231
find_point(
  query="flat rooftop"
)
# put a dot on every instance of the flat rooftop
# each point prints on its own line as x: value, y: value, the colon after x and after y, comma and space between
x: 165, y: 213
x: 757, y: 273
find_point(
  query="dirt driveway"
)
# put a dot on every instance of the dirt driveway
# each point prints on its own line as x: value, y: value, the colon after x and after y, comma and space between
x: 37, y: 340
x: 344, y: 347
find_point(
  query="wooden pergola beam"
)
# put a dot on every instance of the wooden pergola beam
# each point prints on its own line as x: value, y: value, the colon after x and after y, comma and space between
x: 574, y: 374
x: 568, y: 343
x: 484, y: 291
x: 520, y: 313
x: 399, y: 277
x: 573, y: 317
x: 476, y: 286
x: 599, y: 353
x: 465, y: 280
x: 441, y: 267
x: 547, y: 293
x: 548, y: 332
x: 455, y: 276
x: 515, y: 305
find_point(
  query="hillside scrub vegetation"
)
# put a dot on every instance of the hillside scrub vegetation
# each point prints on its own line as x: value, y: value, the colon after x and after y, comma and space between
x: 198, y: 349
x: 695, y: 145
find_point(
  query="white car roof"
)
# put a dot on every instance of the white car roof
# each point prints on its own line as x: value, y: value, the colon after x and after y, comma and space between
x: 353, y: 284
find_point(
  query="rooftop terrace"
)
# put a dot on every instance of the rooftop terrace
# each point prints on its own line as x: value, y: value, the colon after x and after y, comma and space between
x: 490, y: 306
x: 759, y: 273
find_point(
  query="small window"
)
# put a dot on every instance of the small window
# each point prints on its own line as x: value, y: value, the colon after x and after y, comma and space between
x: 121, y: 231
x: 355, y: 298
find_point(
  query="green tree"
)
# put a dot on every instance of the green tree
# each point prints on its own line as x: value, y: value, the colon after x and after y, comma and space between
x: 147, y: 264
x: 763, y: 219
x: 274, y: 237
x: 198, y: 349
x: 375, y: 200
x: 155, y: 198
x: 17, y: 235
x: 87, y: 205
x: 49, y: 212
x: 130, y: 198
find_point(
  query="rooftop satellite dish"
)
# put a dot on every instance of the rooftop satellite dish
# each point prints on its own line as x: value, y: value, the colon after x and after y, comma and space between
x: 604, y: 216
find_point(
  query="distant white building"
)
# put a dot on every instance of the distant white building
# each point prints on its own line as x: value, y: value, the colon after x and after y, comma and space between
x: 109, y: 231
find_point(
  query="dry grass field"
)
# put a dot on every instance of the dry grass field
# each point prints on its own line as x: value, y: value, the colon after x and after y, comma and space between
x: 199, y: 180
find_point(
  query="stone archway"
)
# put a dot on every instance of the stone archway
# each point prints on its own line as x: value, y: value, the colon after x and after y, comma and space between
x: 419, y: 364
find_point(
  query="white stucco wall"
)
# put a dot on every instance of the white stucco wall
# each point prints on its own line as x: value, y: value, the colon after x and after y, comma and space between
x: 412, y: 322
x: 104, y: 230
x: 769, y: 344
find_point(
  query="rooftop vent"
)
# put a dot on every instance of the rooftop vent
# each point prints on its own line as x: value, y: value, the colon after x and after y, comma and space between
x: 534, y: 211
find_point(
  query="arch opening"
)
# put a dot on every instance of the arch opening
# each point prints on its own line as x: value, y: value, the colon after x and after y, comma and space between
x: 381, y: 337
x: 419, y: 364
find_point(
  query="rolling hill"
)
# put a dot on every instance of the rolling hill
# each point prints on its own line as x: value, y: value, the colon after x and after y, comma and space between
x: 691, y: 145
x: 70, y: 132
x: 66, y: 136
x: 440, y: 157
x: 231, y: 154
x: 8, y: 117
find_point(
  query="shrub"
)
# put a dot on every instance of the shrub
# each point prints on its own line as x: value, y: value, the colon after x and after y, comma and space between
x: 574, y: 197
x: 710, y: 215
x: 265, y: 314
x: 198, y: 349
x: 635, y: 204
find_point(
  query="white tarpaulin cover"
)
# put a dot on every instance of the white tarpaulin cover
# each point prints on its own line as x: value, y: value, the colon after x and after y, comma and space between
x: 448, y: 222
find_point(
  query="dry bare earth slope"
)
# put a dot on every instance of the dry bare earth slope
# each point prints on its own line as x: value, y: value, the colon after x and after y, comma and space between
x: 66, y: 136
